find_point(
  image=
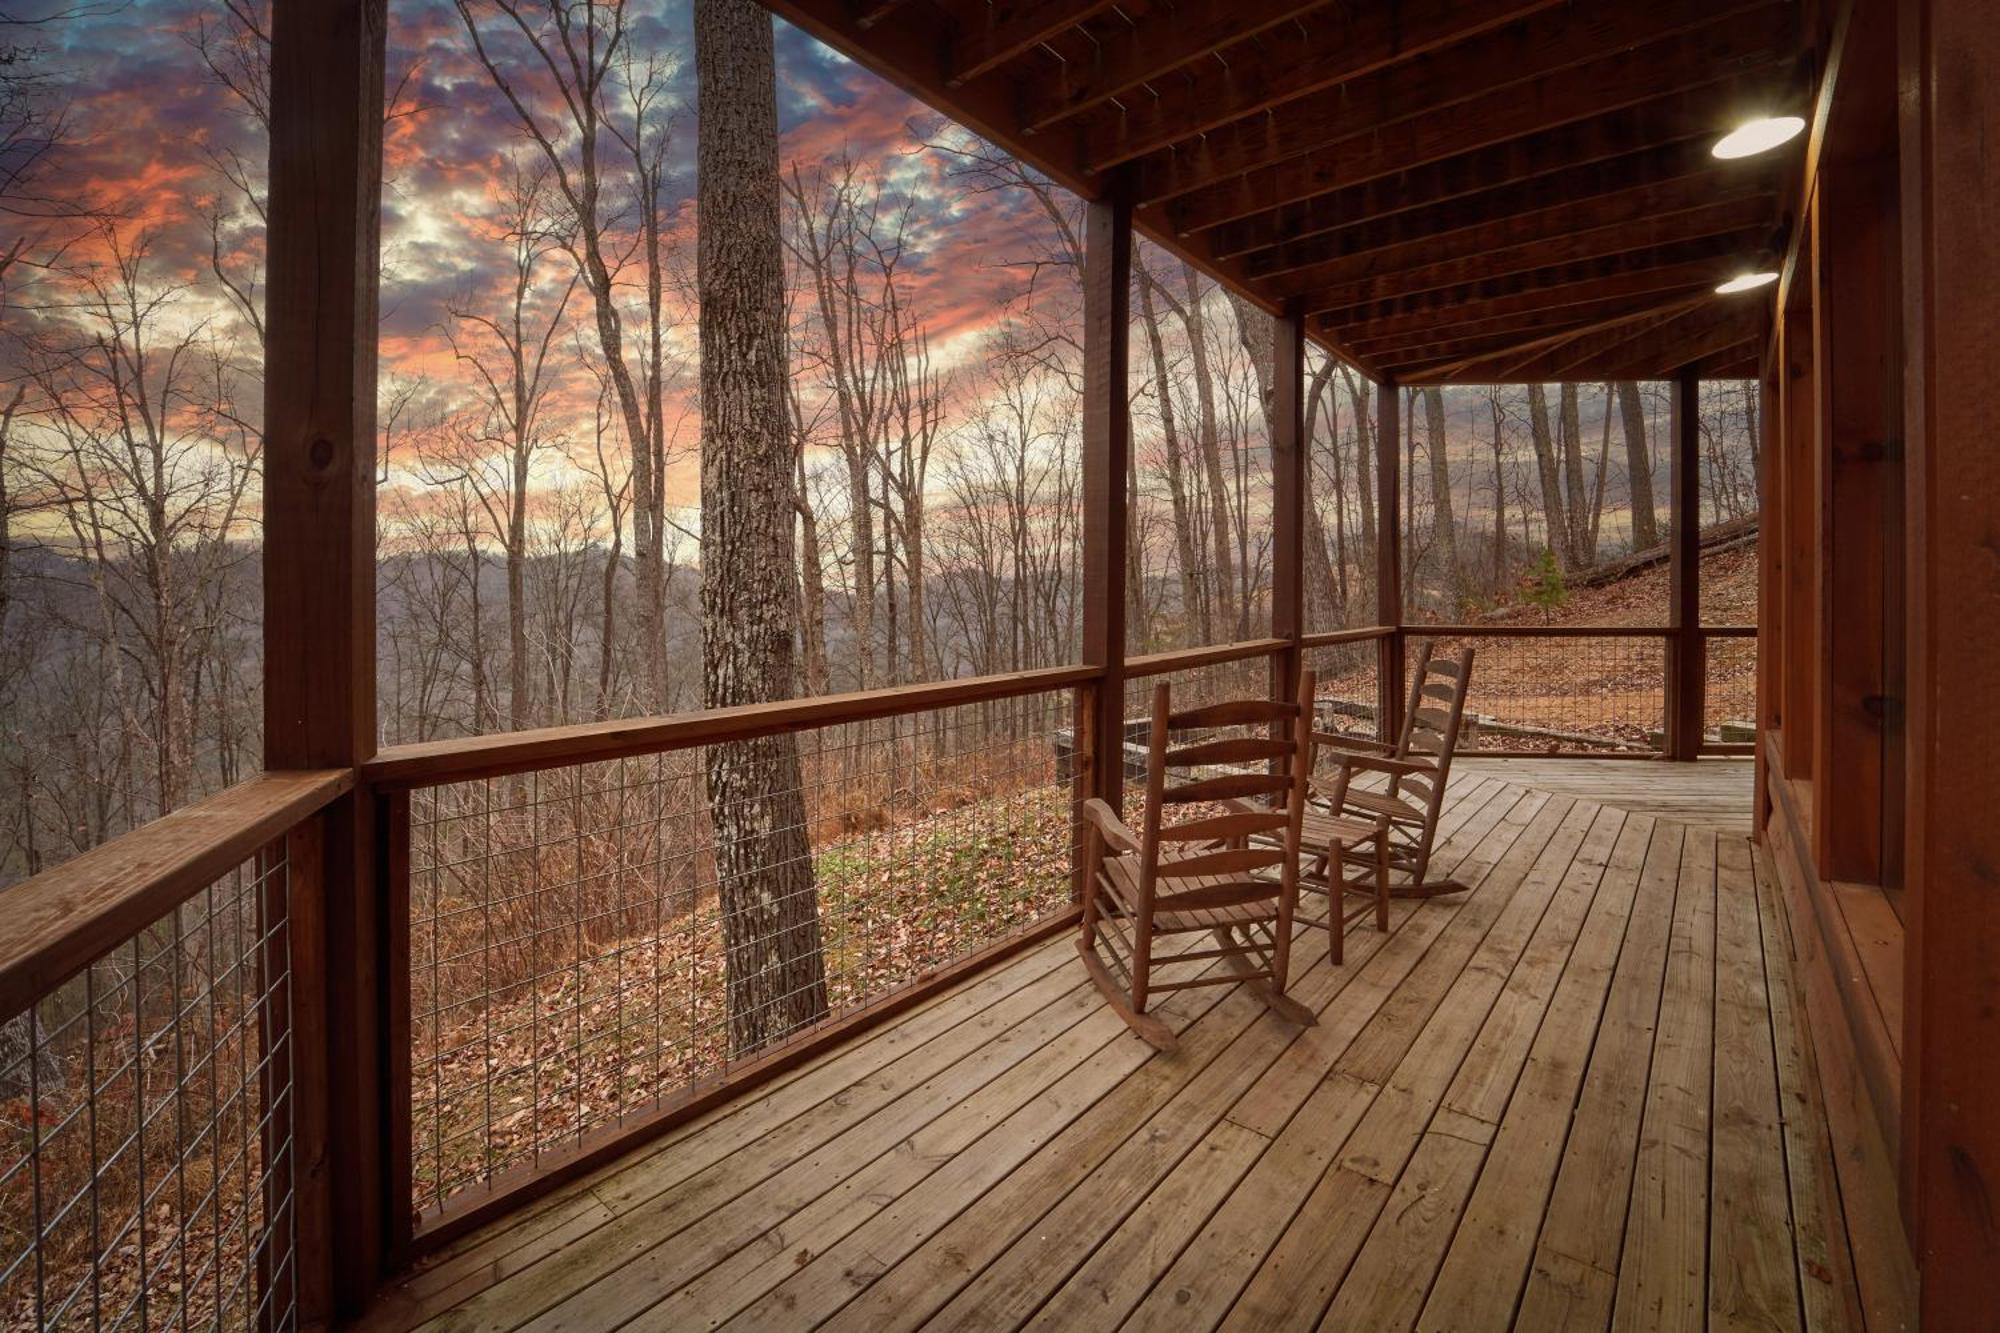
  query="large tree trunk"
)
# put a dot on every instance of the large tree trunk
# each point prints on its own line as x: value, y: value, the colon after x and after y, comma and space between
x: 1638, y: 467
x: 1328, y: 586
x: 1446, y: 522
x: 1222, y: 536
x: 1555, y: 521
x: 1193, y: 604
x: 1572, y: 455
x: 749, y: 598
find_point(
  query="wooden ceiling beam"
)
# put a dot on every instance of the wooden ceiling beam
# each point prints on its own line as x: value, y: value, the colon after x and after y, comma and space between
x: 1531, y: 76
x: 1496, y: 361
x: 1688, y: 345
x: 1606, y: 179
x: 1435, y: 341
x: 1725, y: 88
x: 1317, y: 51
x: 1689, y: 263
x: 993, y: 34
x: 1151, y: 49
x: 1642, y: 205
x: 1623, y: 143
x: 1747, y: 221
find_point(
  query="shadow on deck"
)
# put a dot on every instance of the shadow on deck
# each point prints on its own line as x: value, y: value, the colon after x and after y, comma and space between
x: 1577, y: 1095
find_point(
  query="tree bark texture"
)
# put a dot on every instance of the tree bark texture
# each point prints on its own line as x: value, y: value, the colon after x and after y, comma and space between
x: 749, y: 597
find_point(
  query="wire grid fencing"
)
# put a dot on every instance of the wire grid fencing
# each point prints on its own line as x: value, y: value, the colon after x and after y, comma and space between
x: 569, y: 957
x: 148, y: 1166
x: 1563, y: 694
x: 1729, y: 703
x: 1344, y: 687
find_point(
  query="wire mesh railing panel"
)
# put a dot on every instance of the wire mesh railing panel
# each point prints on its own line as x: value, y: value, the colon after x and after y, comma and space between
x: 1561, y: 694
x: 1345, y: 678
x: 589, y: 942
x: 1730, y: 699
x: 146, y: 1179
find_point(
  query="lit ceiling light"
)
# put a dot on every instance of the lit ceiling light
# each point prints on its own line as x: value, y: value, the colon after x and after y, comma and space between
x: 1747, y: 282
x: 1760, y: 135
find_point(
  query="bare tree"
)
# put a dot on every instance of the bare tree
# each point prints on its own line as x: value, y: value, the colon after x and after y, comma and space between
x: 749, y: 600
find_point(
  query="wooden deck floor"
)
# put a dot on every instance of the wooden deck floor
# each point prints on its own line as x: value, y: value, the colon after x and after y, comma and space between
x: 1574, y: 1097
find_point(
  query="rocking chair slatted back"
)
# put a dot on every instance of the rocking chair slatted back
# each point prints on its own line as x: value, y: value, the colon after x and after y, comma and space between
x: 1201, y: 870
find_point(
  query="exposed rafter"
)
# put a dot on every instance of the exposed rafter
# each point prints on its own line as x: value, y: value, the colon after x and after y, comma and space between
x: 1326, y: 48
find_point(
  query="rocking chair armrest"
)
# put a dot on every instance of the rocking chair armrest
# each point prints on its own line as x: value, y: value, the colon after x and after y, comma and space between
x: 1110, y: 826
x: 1384, y: 764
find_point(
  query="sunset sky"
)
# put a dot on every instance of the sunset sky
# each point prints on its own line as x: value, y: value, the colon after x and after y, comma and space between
x: 153, y: 130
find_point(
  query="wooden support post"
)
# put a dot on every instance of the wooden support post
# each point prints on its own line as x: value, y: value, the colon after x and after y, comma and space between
x: 319, y: 606
x: 1949, y: 122
x: 1855, y: 352
x: 1687, y: 654
x: 1389, y: 555
x: 1107, y: 448
x: 1291, y: 480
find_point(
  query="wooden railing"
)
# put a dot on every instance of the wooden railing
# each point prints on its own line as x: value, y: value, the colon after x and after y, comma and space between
x: 880, y: 771
x: 165, y: 1020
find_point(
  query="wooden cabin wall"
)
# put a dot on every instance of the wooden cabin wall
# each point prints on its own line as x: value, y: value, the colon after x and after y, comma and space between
x: 1882, y: 642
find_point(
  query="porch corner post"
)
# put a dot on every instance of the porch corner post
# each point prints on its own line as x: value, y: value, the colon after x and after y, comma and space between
x: 1291, y: 479
x: 1099, y: 770
x: 1389, y: 555
x: 1687, y: 653
x: 319, y: 612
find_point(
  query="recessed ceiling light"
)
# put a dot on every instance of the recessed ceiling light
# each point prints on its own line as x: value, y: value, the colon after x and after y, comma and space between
x: 1760, y: 135
x: 1747, y: 282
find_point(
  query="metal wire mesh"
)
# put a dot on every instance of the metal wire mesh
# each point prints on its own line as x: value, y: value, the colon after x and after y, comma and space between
x: 1345, y: 676
x: 567, y: 929
x: 1730, y: 700
x: 148, y: 1165
x: 1564, y: 694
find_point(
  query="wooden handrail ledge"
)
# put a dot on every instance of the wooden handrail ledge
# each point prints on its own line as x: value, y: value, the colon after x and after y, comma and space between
x: 1334, y: 637
x: 65, y: 919
x: 461, y: 759
x: 1186, y: 659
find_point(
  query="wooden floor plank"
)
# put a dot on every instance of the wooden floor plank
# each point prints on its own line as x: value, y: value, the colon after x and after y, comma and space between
x: 1752, y: 1273
x: 1829, y: 1298
x: 1392, y: 1274
x: 1574, y: 1274
x: 1663, y: 1273
x: 1303, y: 1269
x: 1577, y: 1096
x: 1480, y: 1280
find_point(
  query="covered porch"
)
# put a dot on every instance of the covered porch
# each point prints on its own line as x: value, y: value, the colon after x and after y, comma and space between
x: 439, y: 1034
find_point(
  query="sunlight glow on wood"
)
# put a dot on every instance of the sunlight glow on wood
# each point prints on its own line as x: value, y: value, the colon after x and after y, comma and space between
x: 1747, y: 282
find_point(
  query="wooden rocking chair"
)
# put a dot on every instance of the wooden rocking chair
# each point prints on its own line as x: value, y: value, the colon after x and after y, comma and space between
x: 1199, y: 873
x: 1379, y: 842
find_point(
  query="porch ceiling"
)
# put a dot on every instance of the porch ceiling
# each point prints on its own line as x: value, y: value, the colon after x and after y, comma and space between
x: 1448, y: 190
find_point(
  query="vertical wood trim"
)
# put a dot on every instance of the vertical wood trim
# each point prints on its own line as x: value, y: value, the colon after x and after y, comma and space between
x: 319, y: 568
x: 1802, y: 551
x: 1687, y: 653
x: 1854, y: 353
x: 1949, y: 111
x: 1770, y: 571
x: 1107, y: 448
x: 1389, y: 555
x: 1291, y: 480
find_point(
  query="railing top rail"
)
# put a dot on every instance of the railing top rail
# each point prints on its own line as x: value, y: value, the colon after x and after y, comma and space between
x: 1186, y: 659
x: 65, y: 919
x: 1540, y: 631
x: 462, y: 759
x: 1333, y: 637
